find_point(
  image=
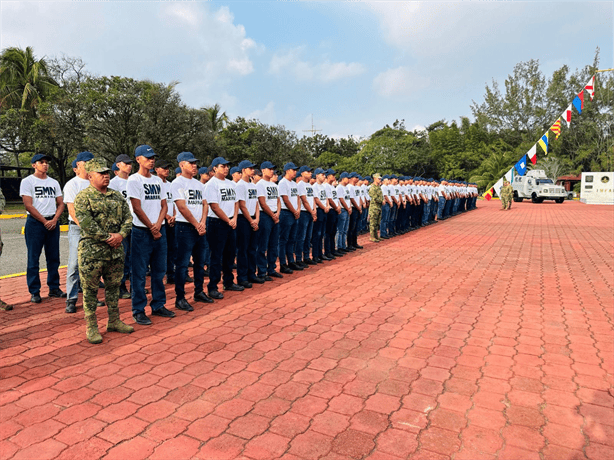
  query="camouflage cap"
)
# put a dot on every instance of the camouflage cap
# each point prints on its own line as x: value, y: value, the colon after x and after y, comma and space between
x: 98, y: 165
x: 377, y: 176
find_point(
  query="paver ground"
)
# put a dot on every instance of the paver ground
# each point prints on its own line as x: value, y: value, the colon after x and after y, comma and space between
x: 488, y: 335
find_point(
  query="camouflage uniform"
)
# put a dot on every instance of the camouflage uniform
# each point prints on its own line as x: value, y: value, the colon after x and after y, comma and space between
x: 3, y: 305
x: 375, y: 211
x: 101, y: 214
x: 507, y: 193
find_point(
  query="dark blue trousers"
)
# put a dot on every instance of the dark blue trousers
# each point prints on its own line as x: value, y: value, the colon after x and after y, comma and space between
x: 247, y: 247
x: 268, y: 245
x: 171, y: 249
x: 303, y: 236
x: 189, y: 244
x: 353, y: 228
x: 319, y: 227
x: 331, y: 230
x: 222, y: 245
x: 37, y: 238
x: 148, y: 252
x: 287, y: 236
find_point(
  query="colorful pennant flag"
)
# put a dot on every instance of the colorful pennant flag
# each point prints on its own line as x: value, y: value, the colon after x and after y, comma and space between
x: 498, y: 186
x: 566, y: 115
x: 521, y: 166
x: 578, y: 101
x: 510, y: 175
x: 590, y: 87
x: 556, y: 128
x: 488, y: 195
x: 543, y: 142
x: 532, y: 154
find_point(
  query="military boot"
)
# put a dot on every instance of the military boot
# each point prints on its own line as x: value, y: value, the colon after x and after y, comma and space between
x: 115, y: 324
x: 93, y: 336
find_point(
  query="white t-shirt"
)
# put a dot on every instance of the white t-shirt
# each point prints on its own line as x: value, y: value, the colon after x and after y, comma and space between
x: 306, y: 189
x: 149, y: 191
x: 43, y: 193
x: 290, y: 189
x: 319, y: 191
x: 270, y: 192
x: 342, y: 192
x: 72, y: 189
x: 332, y: 193
x: 119, y: 184
x: 168, y: 193
x: 366, y: 190
x: 355, y: 193
x: 193, y: 192
x: 246, y: 191
x: 222, y: 193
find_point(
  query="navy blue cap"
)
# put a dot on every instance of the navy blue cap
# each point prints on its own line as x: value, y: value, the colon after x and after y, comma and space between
x: 74, y: 164
x: 290, y: 165
x: 177, y: 170
x: 359, y: 176
x: 144, y: 151
x: 162, y: 163
x: 245, y: 164
x: 257, y: 172
x: 209, y: 168
x: 113, y: 167
x: 123, y: 158
x: 353, y: 174
x: 234, y: 169
x: 187, y: 156
x: 202, y: 170
x: 344, y: 175
x: 304, y: 169
x: 39, y: 157
x: 267, y: 165
x: 319, y: 171
x: 85, y: 156
x: 368, y: 178
x: 330, y: 171
x: 219, y: 161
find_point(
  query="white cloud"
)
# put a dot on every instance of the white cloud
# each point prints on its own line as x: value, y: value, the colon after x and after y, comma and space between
x: 400, y: 81
x: 266, y: 115
x: 290, y: 62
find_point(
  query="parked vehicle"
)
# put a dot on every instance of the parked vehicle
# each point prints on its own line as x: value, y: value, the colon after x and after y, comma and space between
x: 538, y: 187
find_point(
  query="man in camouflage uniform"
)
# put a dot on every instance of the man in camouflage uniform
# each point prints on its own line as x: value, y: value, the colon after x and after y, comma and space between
x: 3, y: 305
x: 105, y: 221
x: 375, y: 209
x: 507, y: 193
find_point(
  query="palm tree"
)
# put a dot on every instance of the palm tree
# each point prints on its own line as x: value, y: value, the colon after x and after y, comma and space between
x: 492, y: 169
x: 24, y: 80
x: 216, y: 120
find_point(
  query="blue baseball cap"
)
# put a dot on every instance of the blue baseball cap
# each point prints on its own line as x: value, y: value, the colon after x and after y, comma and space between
x: 304, y: 169
x: 187, y: 156
x: 74, y: 164
x: 330, y: 171
x: 85, y: 156
x: 245, y: 164
x: 114, y: 167
x: 267, y: 165
x: 39, y: 157
x: 219, y: 161
x: 123, y: 158
x: 202, y: 170
x: 144, y: 151
x: 319, y: 171
x: 344, y: 175
x: 290, y: 165
x: 234, y: 169
x: 177, y: 170
x: 353, y: 175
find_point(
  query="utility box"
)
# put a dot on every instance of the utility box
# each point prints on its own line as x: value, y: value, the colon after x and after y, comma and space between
x: 597, y: 188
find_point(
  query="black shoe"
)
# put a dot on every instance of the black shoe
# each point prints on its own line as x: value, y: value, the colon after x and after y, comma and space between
x: 189, y: 279
x: 217, y: 295
x: 245, y: 284
x: 351, y: 248
x: 325, y: 257
x: 275, y: 275
x: 170, y: 279
x: 257, y: 280
x: 310, y: 262
x: 36, y: 298
x: 71, y: 306
x: 358, y: 246
x: 234, y: 287
x: 318, y: 260
x: 123, y: 293
x: 183, y: 304
x: 267, y: 278
x: 57, y: 293
x: 330, y: 256
x: 337, y: 254
x: 142, y: 319
x: 163, y: 312
x: 295, y: 266
x: 100, y: 303
x: 302, y: 264
x: 202, y: 297
x: 285, y: 270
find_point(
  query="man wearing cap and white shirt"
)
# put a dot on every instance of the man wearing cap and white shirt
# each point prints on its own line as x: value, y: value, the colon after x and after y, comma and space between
x: 356, y: 213
x: 330, y: 231
x: 307, y: 218
x: 270, y: 204
x: 343, y: 219
x: 247, y: 227
x: 190, y: 229
x: 149, y: 209
x: 235, y: 174
x: 319, y: 226
x: 163, y: 171
x: 288, y: 219
x: 71, y: 189
x: 42, y: 198
x: 221, y: 197
x: 123, y: 163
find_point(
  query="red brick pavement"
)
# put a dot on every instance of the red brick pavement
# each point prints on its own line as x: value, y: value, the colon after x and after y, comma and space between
x: 489, y: 335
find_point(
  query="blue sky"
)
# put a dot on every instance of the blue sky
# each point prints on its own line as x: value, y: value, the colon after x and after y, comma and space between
x: 355, y: 66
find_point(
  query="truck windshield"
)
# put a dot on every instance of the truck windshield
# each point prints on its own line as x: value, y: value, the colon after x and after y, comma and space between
x: 543, y: 181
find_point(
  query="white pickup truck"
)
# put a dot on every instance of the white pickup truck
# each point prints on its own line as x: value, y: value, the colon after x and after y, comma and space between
x: 536, y: 186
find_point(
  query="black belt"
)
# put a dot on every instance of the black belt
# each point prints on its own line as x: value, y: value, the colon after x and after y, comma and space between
x: 49, y: 217
x: 70, y: 222
x: 253, y: 217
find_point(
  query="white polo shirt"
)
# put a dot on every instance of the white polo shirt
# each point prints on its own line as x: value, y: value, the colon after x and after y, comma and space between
x: 149, y: 191
x: 222, y: 193
x: 43, y: 193
x: 192, y: 192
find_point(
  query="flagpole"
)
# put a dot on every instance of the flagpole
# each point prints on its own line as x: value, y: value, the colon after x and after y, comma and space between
x: 604, y: 70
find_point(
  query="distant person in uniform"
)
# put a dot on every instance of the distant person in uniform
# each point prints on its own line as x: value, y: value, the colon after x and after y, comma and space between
x: 105, y: 220
x: 507, y: 194
x: 42, y: 198
x: 270, y: 205
x: 247, y: 227
x: 375, y: 207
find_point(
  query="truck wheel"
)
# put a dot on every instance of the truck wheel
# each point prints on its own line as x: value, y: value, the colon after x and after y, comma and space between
x: 534, y: 199
x: 560, y: 200
x: 517, y: 200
